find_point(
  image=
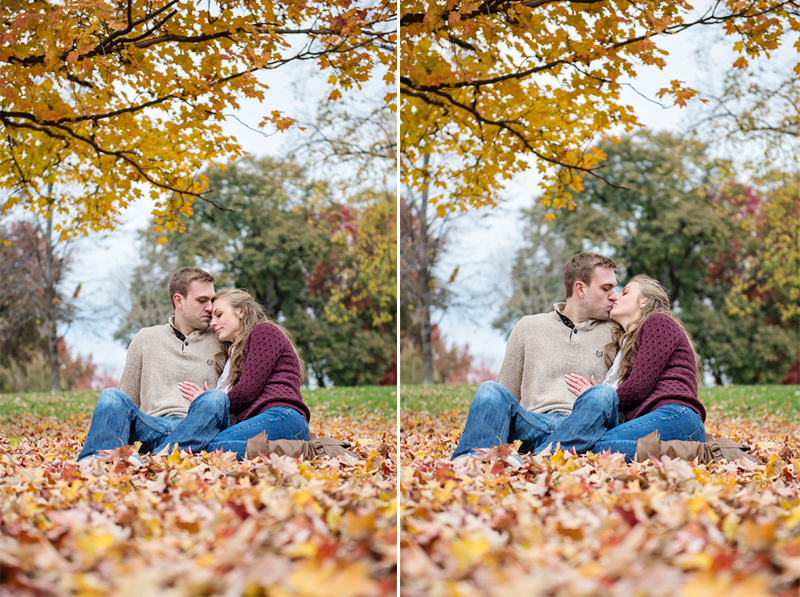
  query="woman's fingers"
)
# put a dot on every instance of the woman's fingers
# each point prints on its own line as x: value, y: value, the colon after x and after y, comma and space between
x: 577, y: 384
x: 190, y: 390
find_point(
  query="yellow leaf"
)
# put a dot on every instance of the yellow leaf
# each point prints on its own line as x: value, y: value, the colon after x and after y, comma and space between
x: 470, y: 549
x: 94, y: 544
x: 327, y: 581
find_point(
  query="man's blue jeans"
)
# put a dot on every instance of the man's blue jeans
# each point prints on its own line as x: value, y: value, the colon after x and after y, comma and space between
x: 280, y: 422
x: 117, y: 422
x: 496, y: 418
x: 672, y: 421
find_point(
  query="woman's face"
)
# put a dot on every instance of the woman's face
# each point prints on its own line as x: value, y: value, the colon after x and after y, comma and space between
x: 225, y: 320
x: 628, y: 306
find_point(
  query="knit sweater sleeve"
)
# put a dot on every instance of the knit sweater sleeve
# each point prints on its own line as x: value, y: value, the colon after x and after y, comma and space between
x: 261, y: 351
x: 131, y: 381
x: 657, y: 339
x: 510, y: 375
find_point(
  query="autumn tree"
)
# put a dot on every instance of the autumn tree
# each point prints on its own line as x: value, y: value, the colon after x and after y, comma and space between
x: 423, y: 239
x: 34, y: 264
x: 126, y: 98
x: 352, y: 142
x: 757, y: 108
x: 316, y: 264
x: 452, y: 363
x: 677, y: 219
x: 756, y: 117
x: 352, y: 145
x: 503, y: 85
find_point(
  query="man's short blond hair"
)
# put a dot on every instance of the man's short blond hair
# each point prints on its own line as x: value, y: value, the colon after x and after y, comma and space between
x: 180, y: 281
x: 581, y: 266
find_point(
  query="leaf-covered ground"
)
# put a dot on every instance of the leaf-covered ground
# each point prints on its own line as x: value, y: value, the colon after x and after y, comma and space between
x: 592, y: 525
x: 196, y: 524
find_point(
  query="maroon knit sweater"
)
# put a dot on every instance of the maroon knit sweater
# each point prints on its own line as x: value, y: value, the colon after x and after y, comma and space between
x: 664, y: 370
x: 270, y: 375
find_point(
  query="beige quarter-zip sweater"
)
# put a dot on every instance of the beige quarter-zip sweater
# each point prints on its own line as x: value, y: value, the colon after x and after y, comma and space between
x: 542, y: 350
x: 158, y: 360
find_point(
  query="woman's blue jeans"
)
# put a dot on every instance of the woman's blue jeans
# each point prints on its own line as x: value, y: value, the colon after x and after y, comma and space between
x: 117, y: 421
x: 280, y: 422
x: 496, y: 418
x: 672, y: 421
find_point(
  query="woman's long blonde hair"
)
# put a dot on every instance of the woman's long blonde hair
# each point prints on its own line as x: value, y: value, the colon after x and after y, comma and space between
x: 252, y: 314
x: 657, y: 302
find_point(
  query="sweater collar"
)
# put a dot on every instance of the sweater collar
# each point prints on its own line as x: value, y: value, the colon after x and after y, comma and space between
x: 178, y: 334
x: 583, y: 325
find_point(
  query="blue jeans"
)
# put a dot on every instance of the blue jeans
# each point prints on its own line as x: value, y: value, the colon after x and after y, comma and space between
x: 495, y: 418
x: 117, y: 422
x: 280, y: 422
x: 672, y: 421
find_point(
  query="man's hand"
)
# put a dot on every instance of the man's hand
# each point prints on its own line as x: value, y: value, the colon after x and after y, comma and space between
x: 190, y: 390
x: 578, y: 384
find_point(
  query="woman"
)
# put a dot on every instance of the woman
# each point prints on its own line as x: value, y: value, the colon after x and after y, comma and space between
x: 655, y: 372
x: 261, y: 372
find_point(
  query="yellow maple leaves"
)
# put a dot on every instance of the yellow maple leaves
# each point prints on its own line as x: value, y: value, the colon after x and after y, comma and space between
x: 483, y: 87
x: 200, y: 524
x: 593, y: 524
x: 111, y: 105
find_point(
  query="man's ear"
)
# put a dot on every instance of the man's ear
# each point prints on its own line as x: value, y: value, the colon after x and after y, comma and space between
x: 177, y: 300
x: 580, y: 289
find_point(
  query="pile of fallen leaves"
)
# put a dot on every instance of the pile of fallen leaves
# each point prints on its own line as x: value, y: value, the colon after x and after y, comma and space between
x: 593, y: 525
x: 196, y: 524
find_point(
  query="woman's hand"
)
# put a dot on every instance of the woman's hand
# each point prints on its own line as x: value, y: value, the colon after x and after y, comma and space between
x: 578, y: 384
x: 190, y: 390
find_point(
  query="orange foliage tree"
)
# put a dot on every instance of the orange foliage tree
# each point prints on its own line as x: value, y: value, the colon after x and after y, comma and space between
x: 122, y: 98
x: 491, y: 84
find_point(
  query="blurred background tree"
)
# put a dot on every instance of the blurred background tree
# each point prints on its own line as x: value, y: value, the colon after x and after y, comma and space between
x: 323, y: 267
x: 679, y: 215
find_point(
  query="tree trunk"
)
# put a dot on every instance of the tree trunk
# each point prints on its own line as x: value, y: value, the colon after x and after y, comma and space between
x: 424, y: 283
x: 51, y: 303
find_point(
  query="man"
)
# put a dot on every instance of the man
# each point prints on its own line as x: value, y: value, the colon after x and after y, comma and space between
x: 149, y: 407
x: 531, y: 401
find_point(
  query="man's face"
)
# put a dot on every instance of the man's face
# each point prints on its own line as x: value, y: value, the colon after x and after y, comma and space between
x: 599, y: 295
x: 194, y: 310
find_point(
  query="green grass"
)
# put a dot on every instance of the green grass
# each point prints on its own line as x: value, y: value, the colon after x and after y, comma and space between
x: 61, y: 405
x: 380, y: 401
x: 353, y: 401
x: 751, y: 402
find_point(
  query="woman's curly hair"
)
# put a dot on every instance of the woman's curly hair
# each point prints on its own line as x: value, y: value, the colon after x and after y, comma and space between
x: 625, y: 340
x: 252, y: 314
